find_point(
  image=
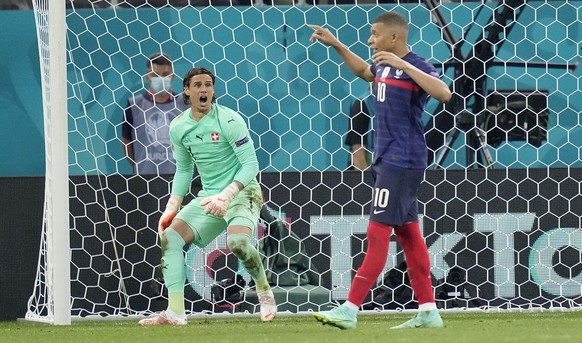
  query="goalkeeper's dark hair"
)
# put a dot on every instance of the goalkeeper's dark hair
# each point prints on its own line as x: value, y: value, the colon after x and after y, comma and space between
x: 392, y: 18
x: 189, y: 75
x: 158, y: 58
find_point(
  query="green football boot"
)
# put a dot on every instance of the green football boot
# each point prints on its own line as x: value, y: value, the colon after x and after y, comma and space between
x: 424, y: 319
x: 340, y: 317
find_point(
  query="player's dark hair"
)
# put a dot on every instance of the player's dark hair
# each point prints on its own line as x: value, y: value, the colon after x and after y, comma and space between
x: 158, y: 58
x: 189, y: 75
x: 392, y: 18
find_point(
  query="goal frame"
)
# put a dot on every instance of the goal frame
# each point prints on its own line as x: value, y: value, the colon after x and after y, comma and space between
x: 55, y: 281
x: 56, y: 229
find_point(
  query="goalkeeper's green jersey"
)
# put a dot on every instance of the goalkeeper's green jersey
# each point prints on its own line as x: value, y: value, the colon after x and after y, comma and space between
x: 218, y: 146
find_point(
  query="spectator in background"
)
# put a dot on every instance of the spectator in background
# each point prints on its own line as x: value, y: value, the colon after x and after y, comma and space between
x: 359, y: 137
x: 146, y: 125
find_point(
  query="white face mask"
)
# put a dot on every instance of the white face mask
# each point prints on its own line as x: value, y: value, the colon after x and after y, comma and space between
x: 161, y: 83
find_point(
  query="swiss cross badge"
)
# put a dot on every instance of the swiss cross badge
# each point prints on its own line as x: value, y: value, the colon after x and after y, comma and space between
x: 215, y: 136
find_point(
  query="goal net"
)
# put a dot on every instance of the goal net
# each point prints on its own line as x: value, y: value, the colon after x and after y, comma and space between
x: 500, y: 202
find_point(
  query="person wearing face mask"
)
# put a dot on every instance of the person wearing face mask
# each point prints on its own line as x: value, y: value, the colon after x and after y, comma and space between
x: 147, y: 117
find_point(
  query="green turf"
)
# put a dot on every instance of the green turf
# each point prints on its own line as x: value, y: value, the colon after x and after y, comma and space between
x: 469, y: 327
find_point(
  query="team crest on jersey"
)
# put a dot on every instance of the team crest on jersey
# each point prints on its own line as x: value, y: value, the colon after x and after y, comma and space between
x: 242, y: 141
x: 398, y: 73
x: 214, y: 136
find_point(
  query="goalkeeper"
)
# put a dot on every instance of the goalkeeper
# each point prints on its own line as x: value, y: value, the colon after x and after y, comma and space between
x: 214, y: 140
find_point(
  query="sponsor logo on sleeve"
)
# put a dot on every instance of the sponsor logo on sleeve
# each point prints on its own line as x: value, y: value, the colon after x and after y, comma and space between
x: 242, y: 141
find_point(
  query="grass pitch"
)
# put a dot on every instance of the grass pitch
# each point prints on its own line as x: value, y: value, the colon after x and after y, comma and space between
x: 459, y: 327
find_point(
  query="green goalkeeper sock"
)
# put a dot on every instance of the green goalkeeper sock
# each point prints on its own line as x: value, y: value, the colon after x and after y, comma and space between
x: 241, y: 247
x: 174, y: 269
x: 176, y: 303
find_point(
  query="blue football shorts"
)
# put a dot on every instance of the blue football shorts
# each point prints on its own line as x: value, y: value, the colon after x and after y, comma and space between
x: 395, y: 194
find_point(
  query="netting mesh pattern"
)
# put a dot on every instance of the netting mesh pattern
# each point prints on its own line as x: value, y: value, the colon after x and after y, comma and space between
x: 296, y: 94
x: 501, y: 222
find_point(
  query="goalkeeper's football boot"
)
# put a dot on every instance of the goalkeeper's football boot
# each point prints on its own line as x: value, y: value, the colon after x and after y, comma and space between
x: 424, y: 319
x: 164, y: 318
x: 268, y: 305
x: 340, y: 317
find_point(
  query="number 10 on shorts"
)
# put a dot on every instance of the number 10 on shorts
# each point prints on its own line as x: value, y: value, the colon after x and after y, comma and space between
x: 381, y: 196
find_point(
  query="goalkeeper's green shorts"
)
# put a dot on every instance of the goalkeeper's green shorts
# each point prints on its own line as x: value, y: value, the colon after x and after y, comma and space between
x: 243, y: 210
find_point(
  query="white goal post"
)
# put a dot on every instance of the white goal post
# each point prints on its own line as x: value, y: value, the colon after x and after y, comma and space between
x: 500, y: 203
x: 52, y: 299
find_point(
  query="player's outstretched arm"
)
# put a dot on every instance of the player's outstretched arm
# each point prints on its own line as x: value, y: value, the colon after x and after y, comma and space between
x: 357, y: 65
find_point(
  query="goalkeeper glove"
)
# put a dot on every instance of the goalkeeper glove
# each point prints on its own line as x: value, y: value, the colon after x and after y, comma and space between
x: 218, y: 204
x: 170, y: 212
